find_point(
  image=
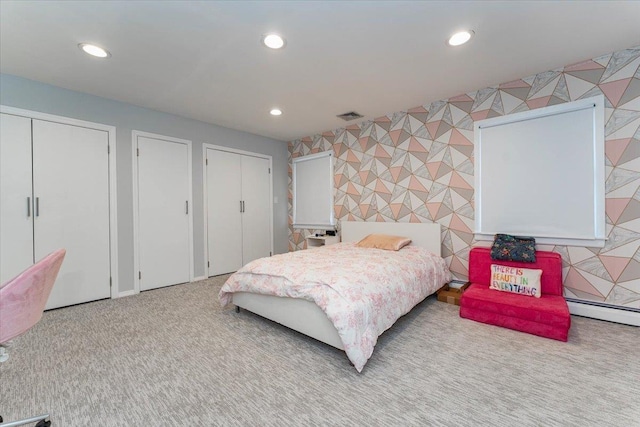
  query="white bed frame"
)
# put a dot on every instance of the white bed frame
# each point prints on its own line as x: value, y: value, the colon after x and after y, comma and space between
x: 305, y: 316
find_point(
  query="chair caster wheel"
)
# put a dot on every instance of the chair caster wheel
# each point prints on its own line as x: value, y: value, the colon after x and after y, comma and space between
x: 43, y: 423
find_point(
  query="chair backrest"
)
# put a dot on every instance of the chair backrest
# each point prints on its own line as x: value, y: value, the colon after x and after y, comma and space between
x: 23, y: 298
x: 549, y: 262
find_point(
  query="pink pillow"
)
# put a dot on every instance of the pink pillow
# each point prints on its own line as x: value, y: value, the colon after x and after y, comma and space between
x: 384, y: 241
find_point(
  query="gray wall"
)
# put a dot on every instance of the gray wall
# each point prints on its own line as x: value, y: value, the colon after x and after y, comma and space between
x: 31, y: 95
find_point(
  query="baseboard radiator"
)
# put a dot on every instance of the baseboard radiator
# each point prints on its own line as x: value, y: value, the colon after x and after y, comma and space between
x: 611, y: 313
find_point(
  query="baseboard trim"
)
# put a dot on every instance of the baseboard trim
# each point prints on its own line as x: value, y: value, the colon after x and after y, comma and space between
x: 604, y: 313
x: 195, y: 279
x: 127, y: 293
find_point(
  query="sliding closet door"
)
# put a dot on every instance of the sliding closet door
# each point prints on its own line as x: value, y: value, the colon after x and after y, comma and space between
x: 224, y: 226
x: 163, y: 212
x: 256, y: 215
x: 71, y: 208
x: 16, y: 226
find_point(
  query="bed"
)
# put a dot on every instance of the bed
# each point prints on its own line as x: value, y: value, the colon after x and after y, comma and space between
x: 331, y: 296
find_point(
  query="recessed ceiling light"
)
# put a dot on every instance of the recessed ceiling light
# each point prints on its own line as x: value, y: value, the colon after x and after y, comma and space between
x: 273, y: 41
x: 276, y: 112
x: 460, y: 38
x: 94, y: 50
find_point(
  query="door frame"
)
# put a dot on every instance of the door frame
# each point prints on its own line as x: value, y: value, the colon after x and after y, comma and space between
x: 205, y: 147
x: 113, y: 196
x: 134, y: 160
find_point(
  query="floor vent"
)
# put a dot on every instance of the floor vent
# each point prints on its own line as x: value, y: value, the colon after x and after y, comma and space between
x: 351, y: 115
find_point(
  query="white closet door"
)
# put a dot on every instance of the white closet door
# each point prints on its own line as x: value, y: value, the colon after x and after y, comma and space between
x: 256, y: 218
x: 16, y: 226
x: 163, y: 219
x: 71, y: 190
x: 224, y: 226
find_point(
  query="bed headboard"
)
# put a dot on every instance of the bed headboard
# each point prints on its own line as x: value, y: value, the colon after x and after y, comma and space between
x: 424, y: 234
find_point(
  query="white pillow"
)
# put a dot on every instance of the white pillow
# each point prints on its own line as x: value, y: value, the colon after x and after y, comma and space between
x: 524, y: 281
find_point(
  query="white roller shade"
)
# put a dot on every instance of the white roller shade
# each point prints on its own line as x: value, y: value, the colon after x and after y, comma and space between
x: 541, y: 173
x: 313, y: 191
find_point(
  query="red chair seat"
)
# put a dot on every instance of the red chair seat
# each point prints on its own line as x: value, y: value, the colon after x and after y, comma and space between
x: 548, y: 309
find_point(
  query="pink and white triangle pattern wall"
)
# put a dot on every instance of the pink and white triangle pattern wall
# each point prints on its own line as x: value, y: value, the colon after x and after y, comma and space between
x: 417, y: 166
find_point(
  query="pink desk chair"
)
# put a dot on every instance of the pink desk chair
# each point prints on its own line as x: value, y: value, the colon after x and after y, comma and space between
x: 22, y: 301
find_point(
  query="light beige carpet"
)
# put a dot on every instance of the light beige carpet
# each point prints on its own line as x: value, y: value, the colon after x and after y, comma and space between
x: 173, y: 357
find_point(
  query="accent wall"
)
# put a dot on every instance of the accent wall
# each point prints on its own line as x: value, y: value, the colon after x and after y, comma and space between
x: 418, y: 166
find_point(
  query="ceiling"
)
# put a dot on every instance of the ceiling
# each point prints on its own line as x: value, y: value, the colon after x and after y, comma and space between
x: 204, y: 60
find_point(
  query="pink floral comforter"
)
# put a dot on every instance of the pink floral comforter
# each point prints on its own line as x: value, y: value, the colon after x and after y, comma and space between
x: 362, y: 291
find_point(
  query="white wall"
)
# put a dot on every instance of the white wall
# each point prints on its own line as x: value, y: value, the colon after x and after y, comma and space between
x: 31, y: 95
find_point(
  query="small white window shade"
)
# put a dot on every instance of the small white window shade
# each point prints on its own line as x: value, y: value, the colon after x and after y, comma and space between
x: 540, y: 173
x: 313, y: 191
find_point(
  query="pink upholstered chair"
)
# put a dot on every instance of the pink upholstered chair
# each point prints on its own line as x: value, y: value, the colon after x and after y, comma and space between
x: 22, y: 301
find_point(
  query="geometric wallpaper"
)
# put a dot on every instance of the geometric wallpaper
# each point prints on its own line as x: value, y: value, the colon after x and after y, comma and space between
x: 417, y: 166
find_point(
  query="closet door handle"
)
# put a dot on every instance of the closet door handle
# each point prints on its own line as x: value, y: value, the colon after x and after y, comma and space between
x: 37, y: 206
x: 240, y: 206
x: 187, y: 207
x: 243, y: 206
x: 28, y: 207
